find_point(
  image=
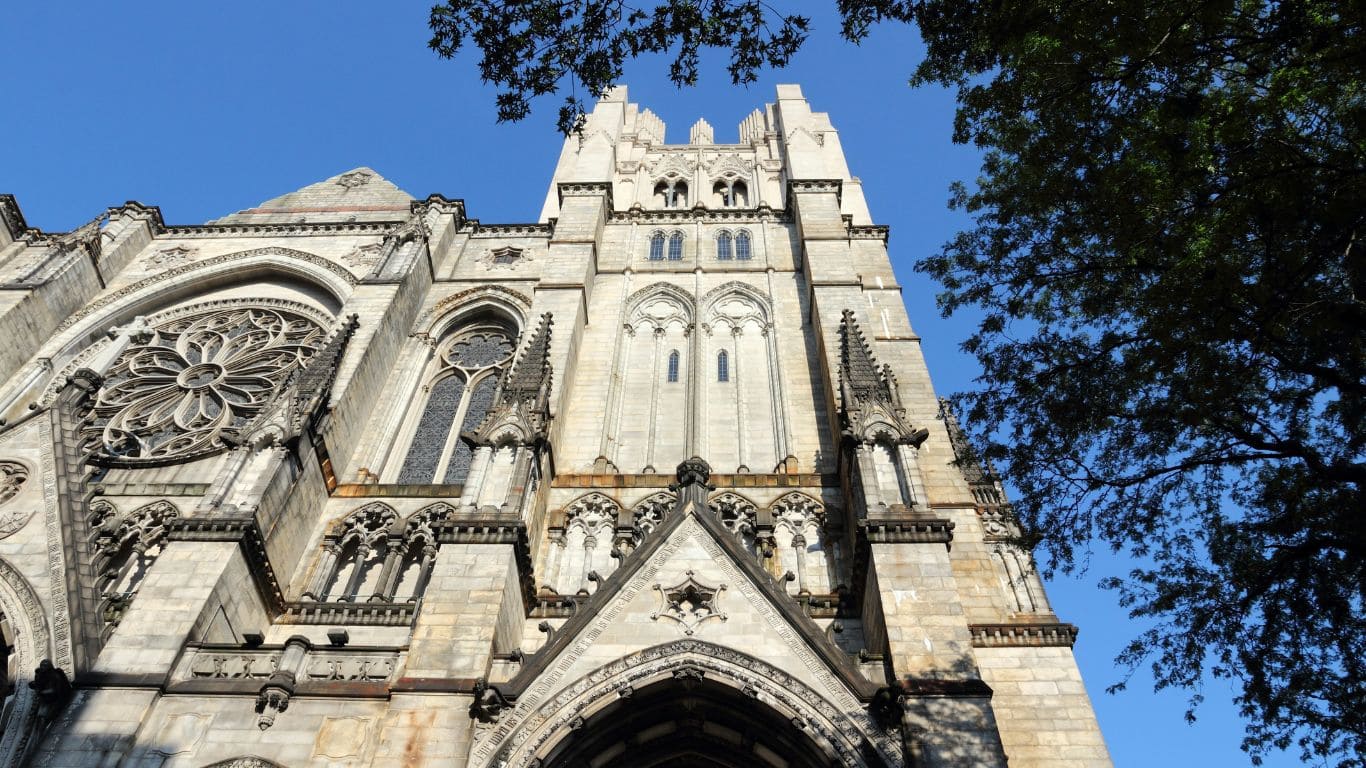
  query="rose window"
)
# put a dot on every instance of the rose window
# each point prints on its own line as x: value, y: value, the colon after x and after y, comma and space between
x: 202, y: 376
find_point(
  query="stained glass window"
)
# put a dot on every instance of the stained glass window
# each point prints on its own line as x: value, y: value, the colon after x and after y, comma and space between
x: 438, y: 453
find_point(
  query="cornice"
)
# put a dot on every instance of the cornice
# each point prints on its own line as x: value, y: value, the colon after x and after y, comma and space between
x: 720, y: 480
x: 480, y: 230
x: 796, y: 186
x: 1033, y: 635
x: 916, y: 530
x: 762, y: 214
x: 586, y: 189
x: 302, y: 229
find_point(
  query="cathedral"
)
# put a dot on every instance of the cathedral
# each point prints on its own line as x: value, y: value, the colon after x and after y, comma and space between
x: 352, y: 478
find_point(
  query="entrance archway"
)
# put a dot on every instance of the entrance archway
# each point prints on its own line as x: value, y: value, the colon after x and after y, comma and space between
x: 684, y: 703
x: 685, y: 722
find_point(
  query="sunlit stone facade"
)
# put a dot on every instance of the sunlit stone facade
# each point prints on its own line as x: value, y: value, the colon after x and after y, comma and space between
x: 352, y: 478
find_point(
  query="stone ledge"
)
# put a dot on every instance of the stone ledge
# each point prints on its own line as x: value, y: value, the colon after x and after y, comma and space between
x: 934, y: 687
x: 918, y: 530
x: 1050, y: 635
x: 345, y: 613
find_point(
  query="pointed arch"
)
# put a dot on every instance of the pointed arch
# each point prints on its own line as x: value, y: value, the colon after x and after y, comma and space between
x: 541, y: 723
x: 27, y: 634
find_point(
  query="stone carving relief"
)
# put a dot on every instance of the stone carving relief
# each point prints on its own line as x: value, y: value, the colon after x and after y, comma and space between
x: 363, y: 257
x: 649, y: 513
x: 671, y: 164
x: 13, y: 476
x: 174, y: 256
x: 506, y: 257
x: 355, y: 179
x: 249, y: 761
x: 843, y: 730
x: 690, y: 602
x: 198, y: 376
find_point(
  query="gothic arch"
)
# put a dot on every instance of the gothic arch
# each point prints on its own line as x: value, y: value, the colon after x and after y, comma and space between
x: 541, y: 723
x: 29, y: 639
x: 450, y: 313
x: 180, y: 284
x: 638, y: 306
x: 711, y: 299
x: 246, y: 761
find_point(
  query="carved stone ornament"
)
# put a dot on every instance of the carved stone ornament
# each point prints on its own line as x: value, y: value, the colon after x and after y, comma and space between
x: 13, y: 475
x: 506, y: 257
x: 363, y: 256
x: 689, y: 603
x: 197, y: 377
x: 172, y: 257
x: 355, y: 179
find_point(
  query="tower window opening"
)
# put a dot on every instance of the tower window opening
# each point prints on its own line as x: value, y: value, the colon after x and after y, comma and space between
x: 673, y: 367
x: 657, y: 247
x: 722, y: 366
x: 742, y: 249
x: 676, y: 246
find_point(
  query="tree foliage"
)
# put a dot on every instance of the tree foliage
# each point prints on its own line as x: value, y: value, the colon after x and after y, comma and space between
x: 1166, y: 256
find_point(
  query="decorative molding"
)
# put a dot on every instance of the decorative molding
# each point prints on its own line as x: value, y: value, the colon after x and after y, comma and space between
x: 1051, y: 635
x: 690, y: 603
x: 908, y: 531
x: 443, y: 307
x: 756, y: 216
x: 363, y: 258
x: 171, y: 257
x: 510, y: 230
x: 844, y: 730
x: 289, y: 253
x: 795, y: 186
x: 355, y: 179
x: 281, y: 230
x: 504, y: 257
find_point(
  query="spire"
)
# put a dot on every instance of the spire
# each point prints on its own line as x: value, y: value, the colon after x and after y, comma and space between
x: 701, y: 132
x: 857, y: 366
x: 523, y: 400
x: 868, y: 391
x: 981, y: 479
x: 532, y: 371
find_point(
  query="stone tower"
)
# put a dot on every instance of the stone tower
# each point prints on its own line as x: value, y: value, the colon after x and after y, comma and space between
x: 351, y: 478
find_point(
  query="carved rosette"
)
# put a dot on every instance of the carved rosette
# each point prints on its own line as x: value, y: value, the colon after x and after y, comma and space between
x: 199, y: 378
x: 689, y: 603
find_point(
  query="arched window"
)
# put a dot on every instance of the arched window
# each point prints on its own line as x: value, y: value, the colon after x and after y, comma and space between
x: 720, y: 194
x: 742, y: 249
x: 662, y: 195
x: 657, y: 247
x: 722, y: 366
x: 676, y: 246
x: 739, y: 195
x: 723, y: 247
x: 673, y: 367
x: 680, y: 195
x: 458, y: 398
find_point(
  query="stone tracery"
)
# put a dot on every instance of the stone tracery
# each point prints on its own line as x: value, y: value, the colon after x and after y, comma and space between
x: 195, y: 378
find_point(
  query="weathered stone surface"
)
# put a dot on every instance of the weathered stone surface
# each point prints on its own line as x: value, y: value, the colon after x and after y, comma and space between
x: 451, y: 532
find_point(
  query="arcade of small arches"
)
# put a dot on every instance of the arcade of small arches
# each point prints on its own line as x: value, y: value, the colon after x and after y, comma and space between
x: 589, y: 538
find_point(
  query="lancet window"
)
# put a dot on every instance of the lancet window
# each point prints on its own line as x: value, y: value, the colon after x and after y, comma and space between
x: 657, y: 247
x: 676, y: 246
x: 723, y: 366
x: 374, y: 556
x: 743, y: 252
x: 673, y: 367
x: 127, y: 547
x: 725, y: 250
x: 459, y: 394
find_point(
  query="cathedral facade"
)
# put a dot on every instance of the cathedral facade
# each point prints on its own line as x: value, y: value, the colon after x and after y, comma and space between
x: 352, y: 478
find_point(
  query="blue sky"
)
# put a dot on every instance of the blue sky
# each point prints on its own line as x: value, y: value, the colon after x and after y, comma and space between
x: 207, y: 108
